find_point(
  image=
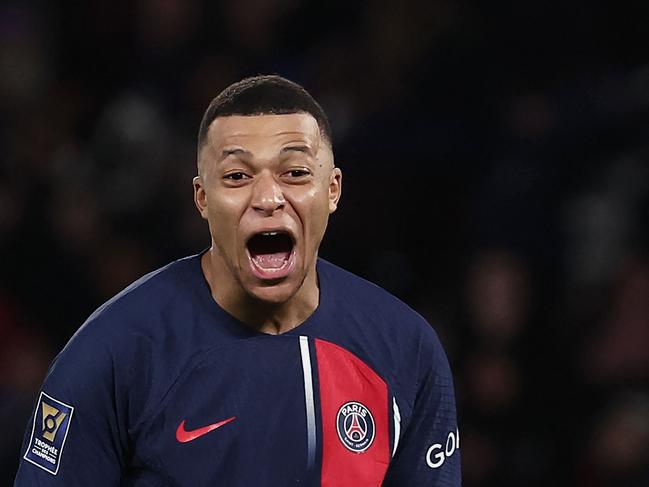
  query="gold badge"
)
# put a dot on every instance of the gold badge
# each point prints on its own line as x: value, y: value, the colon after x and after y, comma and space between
x: 50, y: 429
x: 52, y: 419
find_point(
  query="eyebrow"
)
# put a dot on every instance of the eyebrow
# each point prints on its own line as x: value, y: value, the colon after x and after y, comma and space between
x: 230, y: 152
x: 298, y: 148
x: 303, y: 148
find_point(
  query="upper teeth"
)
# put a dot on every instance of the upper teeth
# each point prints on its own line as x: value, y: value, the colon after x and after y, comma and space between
x: 270, y: 234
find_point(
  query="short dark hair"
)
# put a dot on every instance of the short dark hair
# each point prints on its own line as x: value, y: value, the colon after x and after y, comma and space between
x: 263, y: 95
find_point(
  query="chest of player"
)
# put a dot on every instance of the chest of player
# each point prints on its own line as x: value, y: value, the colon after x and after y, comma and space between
x: 273, y: 411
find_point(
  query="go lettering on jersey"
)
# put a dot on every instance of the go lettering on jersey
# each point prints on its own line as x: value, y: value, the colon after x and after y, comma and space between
x: 438, y: 453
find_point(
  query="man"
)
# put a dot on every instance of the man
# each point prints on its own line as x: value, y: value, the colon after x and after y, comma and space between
x: 254, y: 363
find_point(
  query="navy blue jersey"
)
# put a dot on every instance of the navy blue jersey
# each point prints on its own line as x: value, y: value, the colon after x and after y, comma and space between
x: 162, y: 387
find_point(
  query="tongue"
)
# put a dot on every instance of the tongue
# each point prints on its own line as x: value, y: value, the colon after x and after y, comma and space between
x: 271, y: 261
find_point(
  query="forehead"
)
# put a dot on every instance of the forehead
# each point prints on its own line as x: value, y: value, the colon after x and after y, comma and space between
x: 267, y: 129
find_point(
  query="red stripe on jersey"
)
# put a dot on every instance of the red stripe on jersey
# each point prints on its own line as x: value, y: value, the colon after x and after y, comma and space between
x: 344, y: 379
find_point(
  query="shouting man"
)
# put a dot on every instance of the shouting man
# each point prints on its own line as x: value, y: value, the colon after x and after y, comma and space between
x: 255, y: 362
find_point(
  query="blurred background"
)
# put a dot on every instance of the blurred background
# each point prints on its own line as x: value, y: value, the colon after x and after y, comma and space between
x: 496, y: 162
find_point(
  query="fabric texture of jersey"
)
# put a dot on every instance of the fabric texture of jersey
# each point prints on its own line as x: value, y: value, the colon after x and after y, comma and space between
x: 161, y: 387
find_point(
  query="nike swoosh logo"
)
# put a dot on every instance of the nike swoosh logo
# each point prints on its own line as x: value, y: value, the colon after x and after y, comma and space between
x: 183, y: 436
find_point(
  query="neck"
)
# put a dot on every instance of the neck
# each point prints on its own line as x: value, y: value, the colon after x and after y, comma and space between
x: 262, y: 316
x: 274, y: 319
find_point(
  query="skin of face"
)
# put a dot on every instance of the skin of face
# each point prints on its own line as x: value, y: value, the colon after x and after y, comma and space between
x: 265, y: 173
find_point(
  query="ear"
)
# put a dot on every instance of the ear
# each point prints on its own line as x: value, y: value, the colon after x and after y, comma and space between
x: 335, y: 188
x: 200, y: 196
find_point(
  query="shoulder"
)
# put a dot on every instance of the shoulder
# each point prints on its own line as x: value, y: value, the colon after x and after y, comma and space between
x: 380, y: 315
x: 135, y: 314
x: 359, y: 295
x: 153, y: 291
x: 139, y: 304
x: 385, y: 332
x: 121, y: 346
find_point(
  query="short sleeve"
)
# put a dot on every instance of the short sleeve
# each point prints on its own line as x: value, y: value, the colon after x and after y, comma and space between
x: 76, y: 435
x: 428, y: 452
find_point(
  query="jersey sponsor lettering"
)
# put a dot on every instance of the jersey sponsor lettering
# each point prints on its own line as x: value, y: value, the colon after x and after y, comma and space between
x: 438, y: 453
x: 49, y: 432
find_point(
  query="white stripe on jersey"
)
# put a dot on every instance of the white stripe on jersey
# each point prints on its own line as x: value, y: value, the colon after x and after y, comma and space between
x: 308, y: 399
x: 397, y: 424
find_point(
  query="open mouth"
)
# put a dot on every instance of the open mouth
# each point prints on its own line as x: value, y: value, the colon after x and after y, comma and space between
x: 271, y: 254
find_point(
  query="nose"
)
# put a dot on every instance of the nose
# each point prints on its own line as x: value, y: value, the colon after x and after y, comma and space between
x: 267, y: 195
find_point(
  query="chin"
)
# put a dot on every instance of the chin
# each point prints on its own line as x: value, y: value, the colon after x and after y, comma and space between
x: 273, y: 294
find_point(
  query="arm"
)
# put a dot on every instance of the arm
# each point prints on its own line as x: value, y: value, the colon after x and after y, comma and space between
x: 75, y: 436
x: 428, y: 452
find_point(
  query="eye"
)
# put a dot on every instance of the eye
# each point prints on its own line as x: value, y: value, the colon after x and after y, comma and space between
x: 298, y: 173
x: 236, y: 176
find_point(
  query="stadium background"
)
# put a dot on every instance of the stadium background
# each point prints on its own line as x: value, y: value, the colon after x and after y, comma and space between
x: 496, y: 178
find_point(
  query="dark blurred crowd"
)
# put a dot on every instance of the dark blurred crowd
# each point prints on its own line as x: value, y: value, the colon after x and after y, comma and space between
x: 496, y: 163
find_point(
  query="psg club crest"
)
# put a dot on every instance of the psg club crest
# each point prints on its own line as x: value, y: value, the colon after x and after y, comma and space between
x: 355, y: 426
